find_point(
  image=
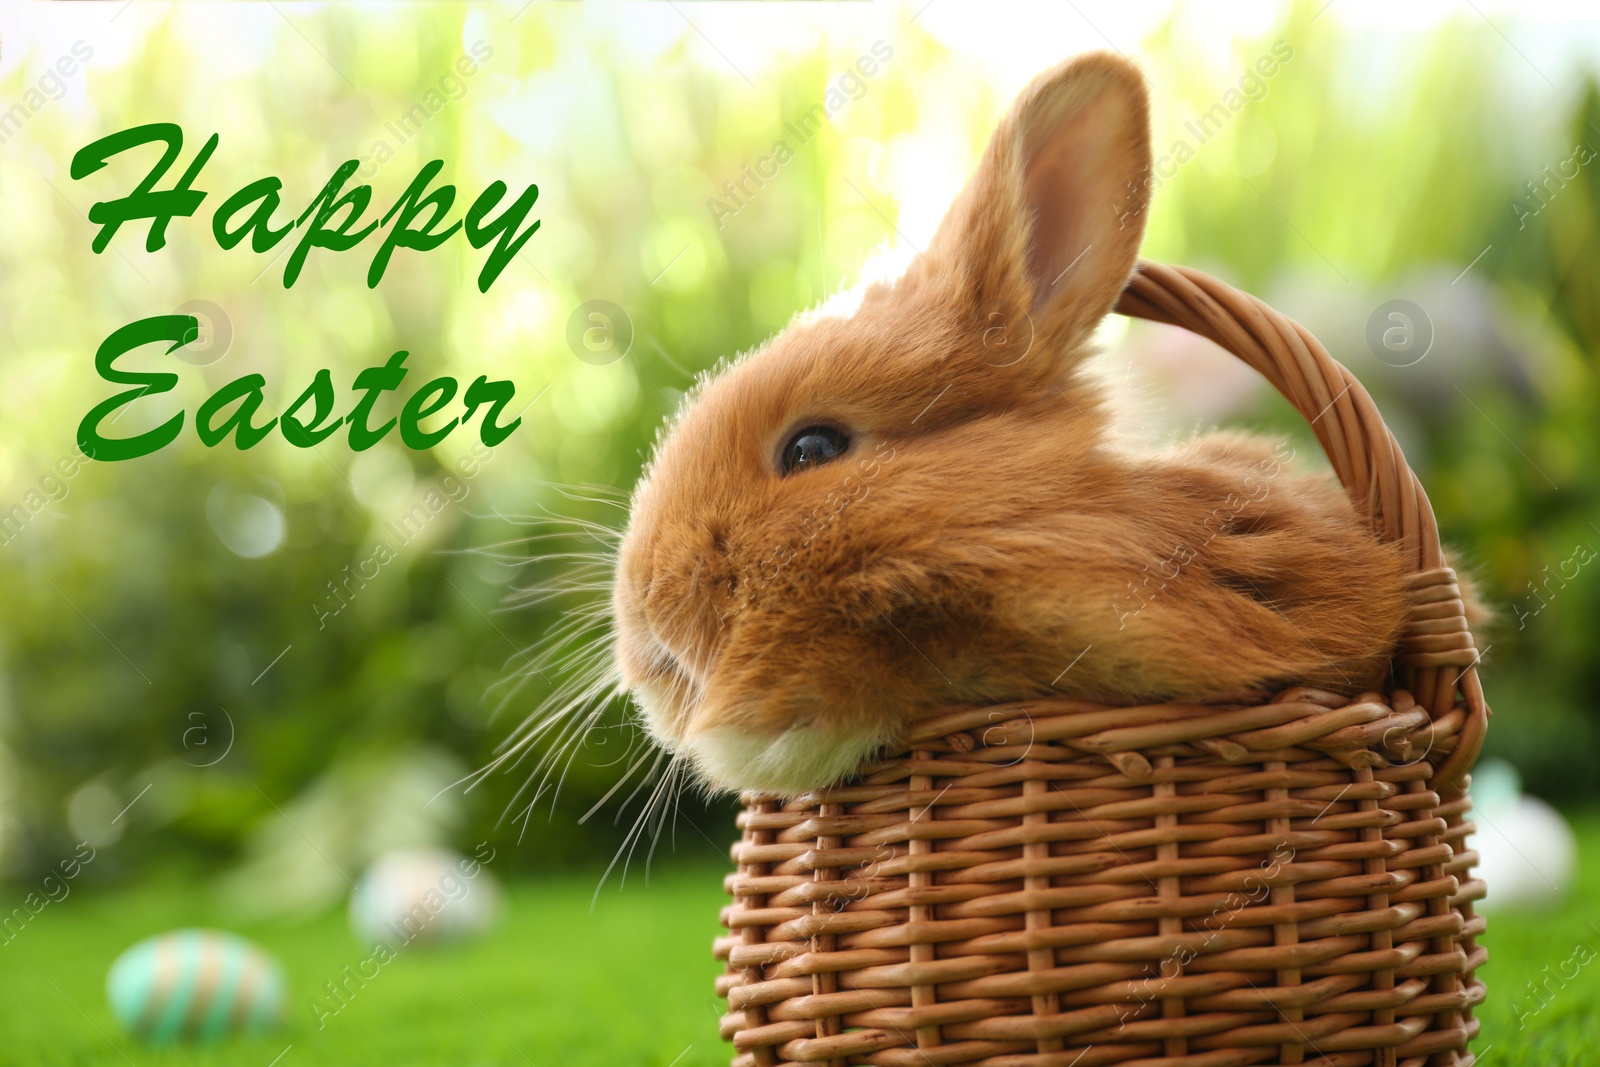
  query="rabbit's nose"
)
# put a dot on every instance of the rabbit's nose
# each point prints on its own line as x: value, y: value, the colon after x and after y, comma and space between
x: 691, y: 591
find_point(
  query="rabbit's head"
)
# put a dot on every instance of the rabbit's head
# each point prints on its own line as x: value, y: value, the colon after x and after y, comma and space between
x: 915, y: 505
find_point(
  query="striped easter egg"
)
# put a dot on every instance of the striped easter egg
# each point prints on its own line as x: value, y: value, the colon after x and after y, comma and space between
x: 195, y: 985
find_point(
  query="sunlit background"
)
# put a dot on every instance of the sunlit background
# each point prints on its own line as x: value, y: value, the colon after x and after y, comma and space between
x: 190, y: 681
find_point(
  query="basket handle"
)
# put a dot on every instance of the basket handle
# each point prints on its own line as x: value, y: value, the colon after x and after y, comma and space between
x: 1436, y: 654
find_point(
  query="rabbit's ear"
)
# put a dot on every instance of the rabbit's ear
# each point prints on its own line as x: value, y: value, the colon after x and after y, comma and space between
x: 1050, y: 225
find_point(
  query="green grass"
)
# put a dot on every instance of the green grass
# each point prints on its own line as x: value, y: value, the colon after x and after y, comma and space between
x: 1545, y: 949
x: 628, y: 984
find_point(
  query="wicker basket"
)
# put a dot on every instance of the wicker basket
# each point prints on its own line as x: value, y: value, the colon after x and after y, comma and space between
x: 1062, y: 884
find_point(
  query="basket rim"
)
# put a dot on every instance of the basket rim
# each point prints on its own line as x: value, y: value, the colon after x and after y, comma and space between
x: 1368, y: 730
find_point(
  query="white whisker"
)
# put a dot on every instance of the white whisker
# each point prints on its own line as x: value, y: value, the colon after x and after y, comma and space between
x: 628, y: 842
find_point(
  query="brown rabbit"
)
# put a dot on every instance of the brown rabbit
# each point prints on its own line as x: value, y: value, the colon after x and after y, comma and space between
x: 880, y: 514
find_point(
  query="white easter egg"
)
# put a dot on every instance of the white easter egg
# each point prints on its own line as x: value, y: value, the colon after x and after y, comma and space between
x: 1526, y: 850
x: 423, y: 896
x: 195, y: 985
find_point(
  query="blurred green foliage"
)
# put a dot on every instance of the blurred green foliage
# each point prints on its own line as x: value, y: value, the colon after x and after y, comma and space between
x: 137, y: 645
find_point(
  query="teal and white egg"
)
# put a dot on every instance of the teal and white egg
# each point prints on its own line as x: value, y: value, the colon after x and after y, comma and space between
x: 423, y: 896
x: 196, y: 985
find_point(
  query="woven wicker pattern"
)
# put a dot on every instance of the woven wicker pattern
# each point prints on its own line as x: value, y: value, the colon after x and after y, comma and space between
x: 1057, y: 883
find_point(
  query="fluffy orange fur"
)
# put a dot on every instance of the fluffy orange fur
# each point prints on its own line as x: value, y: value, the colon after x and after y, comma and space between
x: 981, y: 539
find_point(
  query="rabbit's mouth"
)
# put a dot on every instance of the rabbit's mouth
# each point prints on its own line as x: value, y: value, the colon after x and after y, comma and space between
x: 666, y: 695
x: 731, y: 749
x: 751, y: 743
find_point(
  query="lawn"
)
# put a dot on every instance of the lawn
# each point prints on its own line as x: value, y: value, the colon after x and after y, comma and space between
x: 627, y: 984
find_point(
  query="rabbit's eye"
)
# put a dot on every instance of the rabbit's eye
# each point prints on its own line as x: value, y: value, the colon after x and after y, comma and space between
x: 812, y: 446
